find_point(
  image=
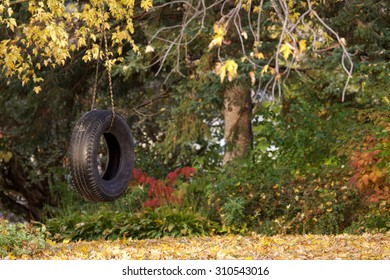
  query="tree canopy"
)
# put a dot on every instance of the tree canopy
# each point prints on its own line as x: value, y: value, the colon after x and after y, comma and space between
x: 269, y: 37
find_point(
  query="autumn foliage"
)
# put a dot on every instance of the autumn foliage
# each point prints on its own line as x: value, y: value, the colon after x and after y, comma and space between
x: 162, y: 192
x: 369, y: 177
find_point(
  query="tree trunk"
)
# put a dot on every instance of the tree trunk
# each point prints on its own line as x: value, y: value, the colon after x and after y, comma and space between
x: 23, y: 197
x: 238, y: 128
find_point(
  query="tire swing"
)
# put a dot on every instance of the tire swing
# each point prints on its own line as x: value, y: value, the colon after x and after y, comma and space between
x: 89, y: 179
x: 92, y: 180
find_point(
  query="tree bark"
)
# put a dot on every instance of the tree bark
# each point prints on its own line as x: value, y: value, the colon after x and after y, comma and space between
x: 238, y: 127
x: 20, y: 196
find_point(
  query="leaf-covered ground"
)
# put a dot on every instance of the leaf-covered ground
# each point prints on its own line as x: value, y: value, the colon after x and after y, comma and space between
x: 353, y: 247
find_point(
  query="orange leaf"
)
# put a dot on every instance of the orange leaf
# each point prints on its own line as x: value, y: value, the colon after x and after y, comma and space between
x: 365, y: 179
x: 373, y: 177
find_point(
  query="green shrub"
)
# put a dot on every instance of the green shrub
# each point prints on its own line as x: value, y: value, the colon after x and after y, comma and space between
x: 20, y: 239
x: 301, y: 185
x: 150, y: 223
x: 375, y: 219
x: 166, y: 221
x: 249, y: 196
x: 70, y: 202
x: 132, y: 215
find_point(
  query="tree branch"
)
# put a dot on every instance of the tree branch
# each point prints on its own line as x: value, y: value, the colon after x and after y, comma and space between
x: 18, y: 2
x: 229, y: 12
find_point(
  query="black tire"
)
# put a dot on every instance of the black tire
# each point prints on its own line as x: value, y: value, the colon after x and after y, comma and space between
x: 83, y: 156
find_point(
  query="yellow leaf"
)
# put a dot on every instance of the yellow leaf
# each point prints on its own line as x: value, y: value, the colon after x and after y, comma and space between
x: 258, y: 55
x: 11, y: 24
x: 11, y: 256
x: 50, y: 242
x: 146, y: 4
x: 37, y: 89
x: 264, y: 70
x: 302, y: 45
x: 231, y: 69
x: 81, y: 42
x: 220, y: 70
x: 219, y: 33
x: 285, y: 50
x: 217, y: 41
x: 85, y: 58
x: 95, y: 51
x: 10, y: 12
x: 257, y: 9
x: 228, y: 68
x: 66, y: 241
x: 84, y: 249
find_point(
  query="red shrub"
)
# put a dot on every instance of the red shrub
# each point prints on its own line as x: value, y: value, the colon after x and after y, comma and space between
x: 161, y: 192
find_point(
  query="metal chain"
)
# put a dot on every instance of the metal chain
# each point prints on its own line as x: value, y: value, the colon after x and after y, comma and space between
x: 96, y: 74
x: 109, y: 77
x: 108, y: 66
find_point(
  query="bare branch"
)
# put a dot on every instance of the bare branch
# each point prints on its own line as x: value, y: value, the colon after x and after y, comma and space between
x: 346, y: 54
x: 18, y: 2
x: 231, y: 16
x: 171, y: 3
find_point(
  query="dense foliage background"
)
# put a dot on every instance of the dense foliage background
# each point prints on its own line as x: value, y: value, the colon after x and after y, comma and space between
x: 316, y: 165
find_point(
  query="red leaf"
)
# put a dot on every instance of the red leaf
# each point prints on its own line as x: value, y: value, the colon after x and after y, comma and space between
x: 152, y: 203
x: 172, y: 176
x: 188, y: 171
x: 136, y: 174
